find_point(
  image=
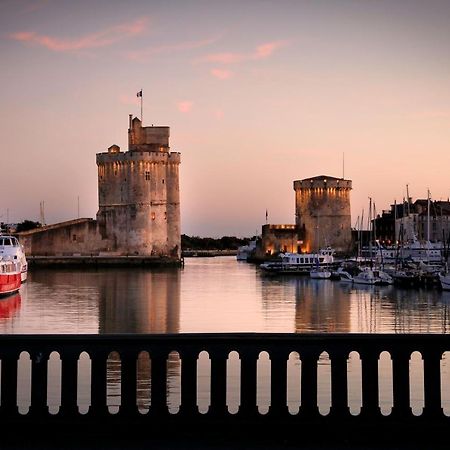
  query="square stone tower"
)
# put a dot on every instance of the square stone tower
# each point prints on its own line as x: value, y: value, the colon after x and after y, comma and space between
x: 139, y: 195
x: 322, y: 213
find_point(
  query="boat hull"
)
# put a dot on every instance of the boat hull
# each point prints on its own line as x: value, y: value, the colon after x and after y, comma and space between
x: 9, y: 283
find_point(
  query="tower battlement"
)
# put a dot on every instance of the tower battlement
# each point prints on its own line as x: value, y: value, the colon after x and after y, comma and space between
x: 322, y: 182
x: 147, y: 139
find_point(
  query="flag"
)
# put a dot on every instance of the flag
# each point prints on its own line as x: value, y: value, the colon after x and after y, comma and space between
x: 139, y: 94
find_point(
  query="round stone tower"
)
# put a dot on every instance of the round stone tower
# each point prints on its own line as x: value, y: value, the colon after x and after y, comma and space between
x: 322, y: 213
x: 139, y: 196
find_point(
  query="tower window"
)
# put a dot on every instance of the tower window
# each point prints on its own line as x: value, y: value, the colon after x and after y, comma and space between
x: 153, y: 216
x: 163, y: 181
x: 147, y: 175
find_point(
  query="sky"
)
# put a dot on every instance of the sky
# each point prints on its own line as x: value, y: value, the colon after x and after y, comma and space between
x: 256, y: 93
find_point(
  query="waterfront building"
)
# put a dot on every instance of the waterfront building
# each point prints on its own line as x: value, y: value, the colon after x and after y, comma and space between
x: 279, y: 238
x: 322, y: 219
x: 139, y: 204
x: 409, y: 221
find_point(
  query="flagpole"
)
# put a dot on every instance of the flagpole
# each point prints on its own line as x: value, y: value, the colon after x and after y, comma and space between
x: 142, y: 115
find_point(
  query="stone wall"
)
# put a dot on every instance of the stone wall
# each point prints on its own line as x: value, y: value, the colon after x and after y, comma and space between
x: 278, y: 238
x: 74, y: 237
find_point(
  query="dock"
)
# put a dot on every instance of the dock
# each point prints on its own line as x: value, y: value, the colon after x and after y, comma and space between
x: 62, y: 261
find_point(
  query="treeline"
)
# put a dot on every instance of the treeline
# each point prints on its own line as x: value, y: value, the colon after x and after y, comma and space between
x: 206, y: 243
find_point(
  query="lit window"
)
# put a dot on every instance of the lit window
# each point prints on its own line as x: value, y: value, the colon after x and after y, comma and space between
x: 153, y: 216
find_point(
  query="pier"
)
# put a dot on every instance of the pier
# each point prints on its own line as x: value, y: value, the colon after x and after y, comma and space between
x: 188, y: 426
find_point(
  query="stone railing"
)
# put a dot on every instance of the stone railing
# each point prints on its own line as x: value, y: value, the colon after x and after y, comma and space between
x: 308, y: 419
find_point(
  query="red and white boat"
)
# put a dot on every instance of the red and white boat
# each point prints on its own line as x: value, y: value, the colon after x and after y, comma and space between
x: 11, y: 248
x: 10, y: 278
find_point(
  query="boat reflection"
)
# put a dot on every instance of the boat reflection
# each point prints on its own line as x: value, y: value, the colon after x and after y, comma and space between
x: 9, y: 305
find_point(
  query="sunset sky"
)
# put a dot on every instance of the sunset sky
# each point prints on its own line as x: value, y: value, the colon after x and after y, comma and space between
x: 257, y: 94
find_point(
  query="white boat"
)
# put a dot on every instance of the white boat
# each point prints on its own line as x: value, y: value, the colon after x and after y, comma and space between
x: 320, y: 273
x: 343, y: 275
x: 366, y: 276
x: 299, y: 263
x: 444, y: 279
x: 383, y: 277
x: 10, y: 248
x: 244, y: 251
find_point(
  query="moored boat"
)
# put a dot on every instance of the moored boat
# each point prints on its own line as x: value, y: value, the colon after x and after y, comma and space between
x: 444, y: 279
x: 10, y: 279
x: 320, y: 273
x: 299, y: 263
x: 11, y: 248
x: 245, y: 251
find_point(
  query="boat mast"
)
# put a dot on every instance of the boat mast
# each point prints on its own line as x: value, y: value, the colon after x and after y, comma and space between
x: 428, y: 226
x: 369, y: 221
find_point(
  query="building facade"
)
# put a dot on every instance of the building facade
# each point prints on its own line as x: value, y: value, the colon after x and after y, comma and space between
x: 322, y: 213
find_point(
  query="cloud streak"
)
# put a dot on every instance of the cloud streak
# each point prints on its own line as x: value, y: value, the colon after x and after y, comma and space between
x: 145, y: 54
x: 262, y: 51
x: 102, y: 38
x: 221, y: 74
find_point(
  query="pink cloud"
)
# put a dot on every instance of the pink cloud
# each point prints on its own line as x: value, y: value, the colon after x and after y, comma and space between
x: 266, y: 50
x: 185, y: 106
x: 261, y: 52
x: 128, y: 99
x: 143, y: 55
x: 100, y: 39
x: 218, y: 114
x: 221, y: 74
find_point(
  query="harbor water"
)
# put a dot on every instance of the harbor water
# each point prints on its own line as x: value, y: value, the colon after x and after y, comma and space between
x: 218, y: 294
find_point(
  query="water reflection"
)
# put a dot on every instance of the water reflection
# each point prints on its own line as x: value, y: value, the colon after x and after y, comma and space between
x: 212, y: 295
x: 10, y: 305
x: 139, y: 301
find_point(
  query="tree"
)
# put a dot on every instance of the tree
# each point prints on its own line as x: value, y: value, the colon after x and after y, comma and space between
x: 27, y: 225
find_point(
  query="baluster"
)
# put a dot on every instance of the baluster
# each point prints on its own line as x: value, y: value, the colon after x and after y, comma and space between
x: 69, y: 382
x: 39, y: 372
x: 249, y: 358
x: 339, y: 387
x: 432, y: 383
x: 9, y: 385
x: 128, y: 383
x: 308, y: 388
x: 400, y: 381
x: 99, y: 383
x: 159, y: 383
x: 219, y: 382
x: 278, y: 383
x: 189, y: 360
x: 370, y: 384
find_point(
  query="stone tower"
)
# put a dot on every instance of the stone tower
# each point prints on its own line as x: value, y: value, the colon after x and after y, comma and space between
x: 322, y: 213
x: 139, y: 196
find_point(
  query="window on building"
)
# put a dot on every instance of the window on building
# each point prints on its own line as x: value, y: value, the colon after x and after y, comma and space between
x: 74, y: 237
x: 147, y: 175
x: 153, y: 216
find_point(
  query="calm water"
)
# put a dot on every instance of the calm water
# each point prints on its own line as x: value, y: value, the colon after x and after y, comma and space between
x: 218, y: 295
x: 214, y: 295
